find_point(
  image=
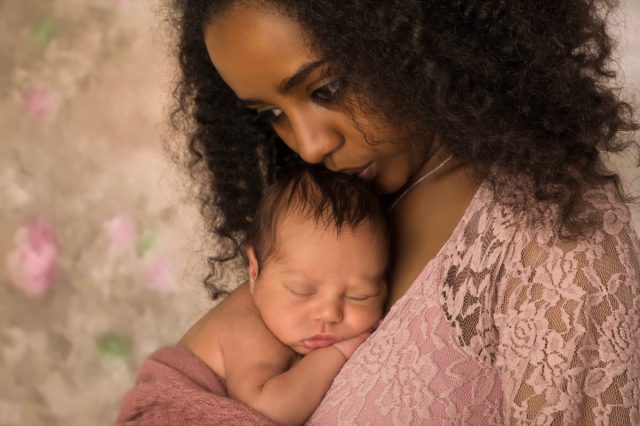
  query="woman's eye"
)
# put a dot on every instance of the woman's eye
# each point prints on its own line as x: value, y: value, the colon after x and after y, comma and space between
x: 328, y: 92
x: 270, y: 115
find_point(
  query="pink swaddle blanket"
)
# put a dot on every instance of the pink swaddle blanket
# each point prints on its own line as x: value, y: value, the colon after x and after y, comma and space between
x: 174, y: 387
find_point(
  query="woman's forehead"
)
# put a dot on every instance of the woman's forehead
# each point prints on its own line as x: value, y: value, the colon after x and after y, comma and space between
x: 250, y: 45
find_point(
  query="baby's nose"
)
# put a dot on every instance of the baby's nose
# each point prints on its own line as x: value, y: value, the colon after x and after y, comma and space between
x: 330, y: 311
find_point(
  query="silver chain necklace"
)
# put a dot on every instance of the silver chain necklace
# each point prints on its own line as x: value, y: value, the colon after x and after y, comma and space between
x: 422, y: 179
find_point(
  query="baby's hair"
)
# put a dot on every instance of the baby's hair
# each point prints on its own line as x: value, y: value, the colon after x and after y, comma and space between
x: 330, y: 200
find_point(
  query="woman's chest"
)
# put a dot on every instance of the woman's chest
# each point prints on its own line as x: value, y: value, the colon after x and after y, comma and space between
x: 413, y: 371
x: 410, y: 257
x: 424, y: 224
x: 414, y: 246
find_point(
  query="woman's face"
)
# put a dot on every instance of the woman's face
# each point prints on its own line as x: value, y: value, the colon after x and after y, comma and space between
x: 264, y: 57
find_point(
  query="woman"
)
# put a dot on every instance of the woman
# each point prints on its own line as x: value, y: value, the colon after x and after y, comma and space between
x: 515, y: 288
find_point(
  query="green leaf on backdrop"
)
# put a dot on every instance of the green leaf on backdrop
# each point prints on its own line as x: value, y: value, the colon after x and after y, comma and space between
x: 113, y: 346
x: 45, y: 31
x: 146, y: 241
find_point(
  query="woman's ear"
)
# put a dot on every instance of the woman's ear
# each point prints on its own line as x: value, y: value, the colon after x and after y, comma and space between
x: 254, y: 267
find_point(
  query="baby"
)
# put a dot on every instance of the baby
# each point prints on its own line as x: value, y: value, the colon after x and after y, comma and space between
x: 318, y: 258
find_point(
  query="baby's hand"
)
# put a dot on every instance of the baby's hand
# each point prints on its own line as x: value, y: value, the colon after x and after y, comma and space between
x: 349, y: 346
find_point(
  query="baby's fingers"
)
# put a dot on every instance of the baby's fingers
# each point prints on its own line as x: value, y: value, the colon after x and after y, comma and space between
x: 349, y: 346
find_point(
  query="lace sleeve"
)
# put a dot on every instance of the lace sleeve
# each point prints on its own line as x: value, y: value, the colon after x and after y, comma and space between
x: 568, y: 317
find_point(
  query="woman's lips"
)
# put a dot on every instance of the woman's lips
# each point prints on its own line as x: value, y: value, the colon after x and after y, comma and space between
x: 366, y: 173
x: 319, y: 341
x: 369, y: 172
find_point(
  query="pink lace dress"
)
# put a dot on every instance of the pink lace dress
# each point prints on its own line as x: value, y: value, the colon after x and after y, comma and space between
x: 506, y: 325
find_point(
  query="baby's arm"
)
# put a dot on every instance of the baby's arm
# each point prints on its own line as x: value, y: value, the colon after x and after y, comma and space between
x: 261, y: 380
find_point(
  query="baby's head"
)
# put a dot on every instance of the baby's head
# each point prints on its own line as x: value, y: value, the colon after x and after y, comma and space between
x: 318, y: 258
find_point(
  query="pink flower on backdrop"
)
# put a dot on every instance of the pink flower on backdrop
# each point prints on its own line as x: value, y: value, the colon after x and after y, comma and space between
x: 32, y: 264
x: 121, y: 231
x: 37, y: 102
x: 159, y: 275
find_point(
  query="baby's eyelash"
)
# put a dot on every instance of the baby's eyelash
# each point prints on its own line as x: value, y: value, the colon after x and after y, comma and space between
x: 358, y: 298
x: 300, y: 294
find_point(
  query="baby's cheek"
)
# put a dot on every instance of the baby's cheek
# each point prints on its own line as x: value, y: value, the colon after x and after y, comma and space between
x: 376, y: 309
x: 366, y: 316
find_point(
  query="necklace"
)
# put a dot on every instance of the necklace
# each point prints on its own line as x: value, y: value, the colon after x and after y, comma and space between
x: 422, y: 179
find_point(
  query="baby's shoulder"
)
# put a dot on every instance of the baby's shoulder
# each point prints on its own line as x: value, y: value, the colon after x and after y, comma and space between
x: 240, y: 327
x: 238, y: 314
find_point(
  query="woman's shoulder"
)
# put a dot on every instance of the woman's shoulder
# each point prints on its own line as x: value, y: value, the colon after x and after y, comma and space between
x: 611, y: 233
x: 500, y: 259
x: 608, y: 249
x: 545, y: 273
x: 518, y: 222
x: 571, y: 307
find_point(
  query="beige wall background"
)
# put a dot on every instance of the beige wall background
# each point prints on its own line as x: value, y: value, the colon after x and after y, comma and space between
x: 102, y: 250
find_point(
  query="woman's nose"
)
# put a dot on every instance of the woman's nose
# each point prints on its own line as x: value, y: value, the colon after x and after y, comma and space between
x: 314, y: 139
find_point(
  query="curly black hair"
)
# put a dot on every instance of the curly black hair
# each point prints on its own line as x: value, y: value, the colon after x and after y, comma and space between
x: 513, y: 88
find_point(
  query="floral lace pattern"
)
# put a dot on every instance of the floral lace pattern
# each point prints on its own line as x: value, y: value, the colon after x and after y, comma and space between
x: 507, y: 325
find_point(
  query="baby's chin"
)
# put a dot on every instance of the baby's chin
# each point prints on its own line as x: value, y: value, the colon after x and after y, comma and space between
x: 301, y: 350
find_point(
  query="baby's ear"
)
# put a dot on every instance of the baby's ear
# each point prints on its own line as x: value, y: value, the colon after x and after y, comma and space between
x: 254, y: 268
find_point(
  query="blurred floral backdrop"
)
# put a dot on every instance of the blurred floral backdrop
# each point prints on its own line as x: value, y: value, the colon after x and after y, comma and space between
x: 102, y: 250
x: 102, y: 247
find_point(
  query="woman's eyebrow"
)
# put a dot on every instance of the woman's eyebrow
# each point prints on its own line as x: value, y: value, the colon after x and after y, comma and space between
x: 303, y: 71
x: 288, y: 83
